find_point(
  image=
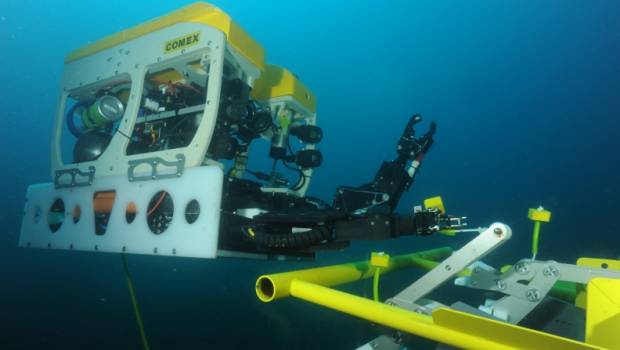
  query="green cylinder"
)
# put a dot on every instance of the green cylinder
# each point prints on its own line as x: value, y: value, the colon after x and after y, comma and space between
x: 105, y: 110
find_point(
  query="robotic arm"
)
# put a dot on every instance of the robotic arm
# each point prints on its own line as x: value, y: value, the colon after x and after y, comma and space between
x: 357, y: 213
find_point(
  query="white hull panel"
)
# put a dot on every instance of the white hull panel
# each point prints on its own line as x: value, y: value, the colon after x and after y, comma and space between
x: 199, y: 239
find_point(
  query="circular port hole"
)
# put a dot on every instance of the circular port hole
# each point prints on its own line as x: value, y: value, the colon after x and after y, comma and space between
x: 56, y: 215
x: 192, y: 211
x: 76, y: 214
x: 130, y: 212
x: 159, y: 213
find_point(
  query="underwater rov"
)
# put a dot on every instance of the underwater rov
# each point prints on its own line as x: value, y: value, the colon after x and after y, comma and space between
x: 151, y: 154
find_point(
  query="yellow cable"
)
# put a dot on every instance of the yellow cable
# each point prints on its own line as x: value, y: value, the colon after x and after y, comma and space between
x: 134, y: 303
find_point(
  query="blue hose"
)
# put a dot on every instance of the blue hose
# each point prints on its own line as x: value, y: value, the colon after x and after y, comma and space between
x: 70, y: 119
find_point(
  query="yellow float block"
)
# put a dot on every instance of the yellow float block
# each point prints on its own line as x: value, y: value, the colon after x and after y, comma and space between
x: 539, y: 215
x: 379, y: 259
x: 435, y: 202
x: 279, y: 82
x: 201, y: 13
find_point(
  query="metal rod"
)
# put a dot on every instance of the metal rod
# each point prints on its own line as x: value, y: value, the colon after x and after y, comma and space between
x: 276, y: 286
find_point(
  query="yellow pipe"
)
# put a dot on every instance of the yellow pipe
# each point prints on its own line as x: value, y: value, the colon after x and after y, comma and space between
x: 468, y: 332
x: 276, y: 286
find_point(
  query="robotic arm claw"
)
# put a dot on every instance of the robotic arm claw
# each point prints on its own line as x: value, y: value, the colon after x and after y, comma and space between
x: 358, y: 213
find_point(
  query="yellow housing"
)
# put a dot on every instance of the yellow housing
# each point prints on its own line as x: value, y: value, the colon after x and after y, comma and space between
x: 279, y: 82
x: 195, y: 13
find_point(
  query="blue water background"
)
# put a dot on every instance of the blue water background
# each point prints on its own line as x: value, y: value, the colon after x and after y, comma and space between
x: 526, y: 95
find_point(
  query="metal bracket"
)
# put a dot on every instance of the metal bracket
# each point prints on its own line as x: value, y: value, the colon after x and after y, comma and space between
x: 154, y: 163
x: 582, y: 274
x: 477, y: 248
x: 74, y: 173
x: 526, y: 284
x: 382, y: 342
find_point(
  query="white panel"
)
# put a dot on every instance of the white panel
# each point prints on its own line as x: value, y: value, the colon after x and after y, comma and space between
x: 198, y: 239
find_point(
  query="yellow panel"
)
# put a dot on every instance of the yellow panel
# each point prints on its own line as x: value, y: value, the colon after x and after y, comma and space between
x: 435, y: 202
x: 278, y: 82
x: 603, y: 313
x: 611, y: 264
x: 201, y: 13
x: 514, y: 337
x: 581, y: 297
x: 539, y: 215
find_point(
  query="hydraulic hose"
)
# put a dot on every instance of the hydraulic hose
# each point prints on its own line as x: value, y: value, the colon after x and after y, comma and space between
x: 289, y: 240
x: 75, y: 131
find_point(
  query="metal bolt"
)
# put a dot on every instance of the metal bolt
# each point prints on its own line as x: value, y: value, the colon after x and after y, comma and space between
x: 501, y: 284
x: 498, y: 231
x: 551, y: 271
x: 398, y: 337
x: 522, y: 268
x: 533, y: 294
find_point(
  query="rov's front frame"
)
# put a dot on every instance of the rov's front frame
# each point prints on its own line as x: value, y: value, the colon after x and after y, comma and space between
x: 134, y: 59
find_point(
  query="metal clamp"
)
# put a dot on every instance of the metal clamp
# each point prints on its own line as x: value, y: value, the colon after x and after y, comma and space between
x: 74, y: 173
x: 154, y: 163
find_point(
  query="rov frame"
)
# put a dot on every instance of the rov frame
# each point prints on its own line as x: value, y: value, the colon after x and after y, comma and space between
x: 198, y: 45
